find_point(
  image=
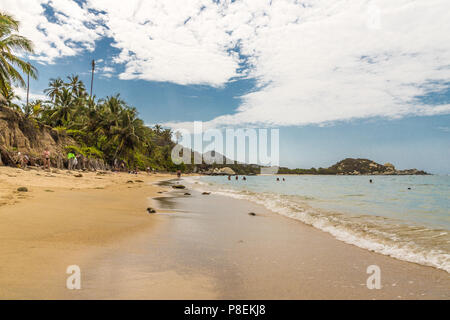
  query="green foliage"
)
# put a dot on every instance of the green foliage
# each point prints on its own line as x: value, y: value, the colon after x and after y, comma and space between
x: 108, y: 128
x: 91, y: 152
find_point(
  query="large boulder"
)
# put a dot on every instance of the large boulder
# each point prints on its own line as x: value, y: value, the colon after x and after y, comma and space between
x: 389, y: 165
x: 227, y: 171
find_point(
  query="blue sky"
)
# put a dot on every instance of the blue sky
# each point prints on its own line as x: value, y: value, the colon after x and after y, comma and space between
x: 338, y: 79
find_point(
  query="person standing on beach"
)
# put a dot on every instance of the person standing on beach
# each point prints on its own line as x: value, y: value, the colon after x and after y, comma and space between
x: 178, y: 174
x: 46, y: 158
x: 25, y: 161
x: 19, y: 160
x: 71, y: 157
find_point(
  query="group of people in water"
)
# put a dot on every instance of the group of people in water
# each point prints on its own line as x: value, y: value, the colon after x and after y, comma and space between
x: 244, y: 178
x: 237, y: 178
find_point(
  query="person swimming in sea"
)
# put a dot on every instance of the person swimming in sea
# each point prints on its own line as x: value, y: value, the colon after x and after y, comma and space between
x: 244, y: 178
x: 237, y: 177
x: 284, y: 179
x: 278, y: 179
x: 229, y: 178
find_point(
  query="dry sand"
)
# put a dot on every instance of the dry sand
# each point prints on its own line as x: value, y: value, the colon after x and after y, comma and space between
x: 196, y: 247
x: 65, y: 220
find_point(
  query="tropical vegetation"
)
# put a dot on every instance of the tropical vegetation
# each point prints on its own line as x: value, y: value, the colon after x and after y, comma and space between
x: 105, y: 128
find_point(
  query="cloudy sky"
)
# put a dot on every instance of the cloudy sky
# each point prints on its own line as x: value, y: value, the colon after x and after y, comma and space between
x: 340, y: 78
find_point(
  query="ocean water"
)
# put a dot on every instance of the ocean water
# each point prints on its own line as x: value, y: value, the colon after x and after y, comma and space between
x: 384, y: 216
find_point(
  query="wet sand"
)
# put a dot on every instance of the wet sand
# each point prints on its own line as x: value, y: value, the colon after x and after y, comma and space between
x: 269, y: 256
x: 195, y: 247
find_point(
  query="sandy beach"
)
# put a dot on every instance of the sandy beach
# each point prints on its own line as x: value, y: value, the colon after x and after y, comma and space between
x: 196, y: 247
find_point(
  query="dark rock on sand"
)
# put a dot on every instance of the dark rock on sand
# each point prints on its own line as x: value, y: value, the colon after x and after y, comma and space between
x: 22, y: 189
x: 129, y: 181
x: 252, y: 214
x: 78, y: 175
x: 187, y: 194
x: 138, y: 180
x: 178, y: 186
x: 206, y: 193
x: 151, y: 210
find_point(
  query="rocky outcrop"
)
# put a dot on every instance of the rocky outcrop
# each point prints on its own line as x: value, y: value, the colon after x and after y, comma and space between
x: 226, y: 171
x: 19, y: 134
x: 352, y: 166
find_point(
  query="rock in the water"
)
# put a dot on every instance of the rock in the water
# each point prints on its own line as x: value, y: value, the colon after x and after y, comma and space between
x: 151, y: 210
x: 252, y: 214
x: 22, y: 189
x: 178, y: 186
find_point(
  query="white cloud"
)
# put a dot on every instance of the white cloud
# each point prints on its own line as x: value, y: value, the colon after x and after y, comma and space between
x: 180, y: 41
x: 22, y: 94
x: 70, y: 31
x: 314, y: 61
x: 339, y: 60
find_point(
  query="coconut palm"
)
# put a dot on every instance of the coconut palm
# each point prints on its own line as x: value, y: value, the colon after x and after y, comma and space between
x: 54, y: 88
x: 76, y: 86
x: 9, y: 97
x: 158, y: 128
x: 33, y: 109
x: 65, y: 108
x: 127, y: 135
x: 11, y: 43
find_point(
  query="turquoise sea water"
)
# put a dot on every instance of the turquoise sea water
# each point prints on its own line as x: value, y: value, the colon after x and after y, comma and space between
x: 384, y: 216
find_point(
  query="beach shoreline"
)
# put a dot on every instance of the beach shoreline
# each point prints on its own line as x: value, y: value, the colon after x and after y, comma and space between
x: 196, y: 246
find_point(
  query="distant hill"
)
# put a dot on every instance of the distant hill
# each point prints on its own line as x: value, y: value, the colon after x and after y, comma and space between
x: 351, y: 166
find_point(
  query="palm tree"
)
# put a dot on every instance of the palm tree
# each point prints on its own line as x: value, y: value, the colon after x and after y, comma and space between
x: 10, y: 43
x: 54, y: 88
x: 33, y: 109
x: 9, y: 97
x: 65, y: 108
x: 127, y: 135
x: 158, y: 128
x: 76, y: 86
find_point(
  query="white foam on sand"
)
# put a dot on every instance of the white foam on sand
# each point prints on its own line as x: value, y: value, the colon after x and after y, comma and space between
x: 409, y: 243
